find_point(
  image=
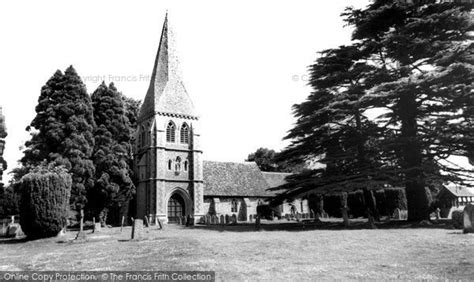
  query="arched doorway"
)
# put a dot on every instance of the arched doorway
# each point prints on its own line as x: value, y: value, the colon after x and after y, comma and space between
x: 176, y: 208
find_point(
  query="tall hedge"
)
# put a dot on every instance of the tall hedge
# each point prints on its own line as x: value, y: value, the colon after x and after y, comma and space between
x: 356, y: 204
x: 45, y: 195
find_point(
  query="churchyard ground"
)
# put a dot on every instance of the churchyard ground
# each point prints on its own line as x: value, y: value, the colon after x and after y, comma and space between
x: 239, y: 252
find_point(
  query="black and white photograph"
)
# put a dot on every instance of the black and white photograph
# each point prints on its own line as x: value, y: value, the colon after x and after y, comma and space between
x: 207, y: 140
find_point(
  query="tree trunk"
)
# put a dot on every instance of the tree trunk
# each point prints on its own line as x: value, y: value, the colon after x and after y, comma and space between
x: 417, y: 197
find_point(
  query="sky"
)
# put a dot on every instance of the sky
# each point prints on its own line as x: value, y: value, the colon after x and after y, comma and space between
x: 244, y: 62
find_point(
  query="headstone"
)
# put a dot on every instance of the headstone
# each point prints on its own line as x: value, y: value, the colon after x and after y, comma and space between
x: 298, y: 216
x: 222, y: 219
x: 14, y: 230
x: 147, y: 223
x: 215, y: 220
x: 13, y: 219
x: 257, y: 223
x: 468, y: 219
x: 81, y: 235
x: 208, y: 219
x: 121, y: 225
x: 137, y: 229
x: 287, y: 216
x: 96, y: 226
x: 62, y: 232
x: 438, y: 211
x: 397, y: 214
x: 371, y: 222
x: 345, y: 217
x: 250, y: 218
x: 227, y: 219
x: 159, y: 223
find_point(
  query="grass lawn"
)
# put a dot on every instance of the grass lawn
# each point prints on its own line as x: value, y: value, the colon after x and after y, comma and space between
x: 239, y: 252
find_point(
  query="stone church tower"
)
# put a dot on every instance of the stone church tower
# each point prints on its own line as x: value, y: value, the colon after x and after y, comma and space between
x: 168, y: 158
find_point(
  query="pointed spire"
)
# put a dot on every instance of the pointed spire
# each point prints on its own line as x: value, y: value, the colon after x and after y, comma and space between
x: 166, y: 93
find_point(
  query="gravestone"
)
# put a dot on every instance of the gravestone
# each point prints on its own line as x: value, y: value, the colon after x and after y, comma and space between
x: 468, y: 219
x: 298, y: 216
x: 313, y: 215
x: 96, y: 226
x: 215, y: 220
x: 250, y: 218
x: 287, y: 216
x: 81, y: 235
x: 121, y: 225
x: 14, y: 230
x: 371, y: 222
x: 159, y: 223
x: 137, y: 229
x: 208, y: 219
x: 438, y: 211
x: 147, y: 223
x: 257, y: 223
x: 222, y: 218
x: 345, y: 217
x: 397, y: 214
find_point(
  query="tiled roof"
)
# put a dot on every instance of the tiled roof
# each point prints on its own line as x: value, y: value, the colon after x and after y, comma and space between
x: 459, y: 191
x: 234, y: 179
x: 275, y: 179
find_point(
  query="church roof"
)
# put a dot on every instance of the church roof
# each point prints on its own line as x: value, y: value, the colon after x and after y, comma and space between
x: 275, y: 179
x: 234, y: 179
x: 166, y: 94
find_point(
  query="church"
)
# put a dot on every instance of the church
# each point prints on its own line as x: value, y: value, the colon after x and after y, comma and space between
x: 173, y: 178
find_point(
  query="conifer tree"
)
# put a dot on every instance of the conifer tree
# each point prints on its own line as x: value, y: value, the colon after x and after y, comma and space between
x: 3, y: 134
x: 425, y: 47
x: 412, y: 61
x: 62, y: 132
x: 114, y: 186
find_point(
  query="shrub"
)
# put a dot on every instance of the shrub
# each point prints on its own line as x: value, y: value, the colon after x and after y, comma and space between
x: 395, y: 198
x: 356, y: 204
x: 381, y: 202
x: 457, y: 219
x: 44, y: 204
x: 334, y: 202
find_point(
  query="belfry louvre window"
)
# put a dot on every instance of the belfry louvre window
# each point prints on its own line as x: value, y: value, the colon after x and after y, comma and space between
x: 170, y: 132
x: 184, y: 133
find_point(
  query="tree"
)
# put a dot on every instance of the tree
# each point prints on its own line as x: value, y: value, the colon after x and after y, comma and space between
x: 3, y: 134
x: 114, y: 187
x: 45, y: 193
x: 62, y: 132
x: 411, y: 61
x: 267, y: 160
x: 331, y: 127
x: 426, y: 50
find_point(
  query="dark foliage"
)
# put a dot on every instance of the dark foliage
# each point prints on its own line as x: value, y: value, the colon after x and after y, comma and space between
x: 356, y: 203
x: 112, y: 154
x: 62, y: 132
x: 9, y: 202
x: 411, y: 61
x: 44, y: 205
x: 3, y: 134
x: 267, y: 160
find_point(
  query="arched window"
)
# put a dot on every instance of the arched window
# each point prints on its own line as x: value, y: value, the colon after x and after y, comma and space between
x: 184, y: 133
x: 233, y: 206
x: 177, y: 165
x: 186, y: 165
x: 170, y: 132
x: 170, y: 164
